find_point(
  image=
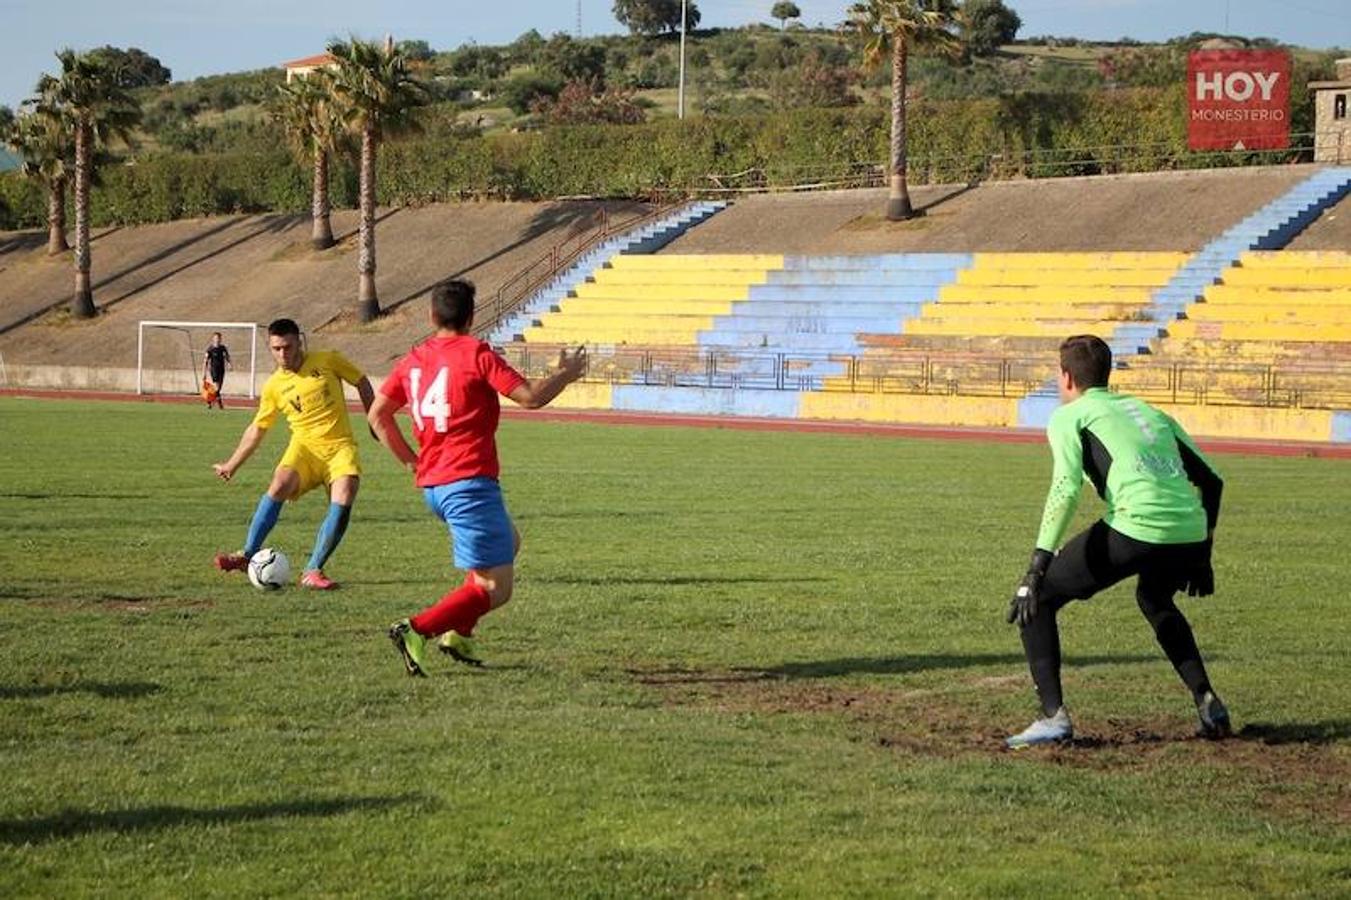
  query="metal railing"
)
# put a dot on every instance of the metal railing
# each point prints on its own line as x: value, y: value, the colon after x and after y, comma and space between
x: 519, y: 287
x: 970, y: 168
x: 1269, y: 384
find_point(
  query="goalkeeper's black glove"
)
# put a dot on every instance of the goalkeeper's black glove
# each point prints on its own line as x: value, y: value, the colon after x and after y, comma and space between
x: 1023, y: 606
x: 1198, y: 580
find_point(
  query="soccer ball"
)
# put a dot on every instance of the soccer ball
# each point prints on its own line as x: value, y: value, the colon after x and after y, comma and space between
x: 269, y: 569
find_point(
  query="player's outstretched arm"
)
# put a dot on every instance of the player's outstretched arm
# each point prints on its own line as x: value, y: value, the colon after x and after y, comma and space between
x: 380, y: 416
x: 366, y: 393
x: 253, y: 436
x: 539, y: 392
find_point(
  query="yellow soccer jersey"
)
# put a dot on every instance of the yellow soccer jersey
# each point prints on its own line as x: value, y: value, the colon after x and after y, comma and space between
x: 311, y: 399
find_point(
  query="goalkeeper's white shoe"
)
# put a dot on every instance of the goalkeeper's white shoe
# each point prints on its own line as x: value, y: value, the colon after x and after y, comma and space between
x: 1214, y: 718
x: 1053, y: 730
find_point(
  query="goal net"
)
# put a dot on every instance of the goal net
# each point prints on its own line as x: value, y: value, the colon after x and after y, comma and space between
x: 170, y: 356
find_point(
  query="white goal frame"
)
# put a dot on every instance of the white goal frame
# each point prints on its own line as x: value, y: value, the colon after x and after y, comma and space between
x: 184, y: 326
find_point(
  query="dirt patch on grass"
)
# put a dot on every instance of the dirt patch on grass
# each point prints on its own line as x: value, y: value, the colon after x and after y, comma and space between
x: 114, y: 603
x: 754, y: 690
x: 1296, y: 770
x: 59, y: 682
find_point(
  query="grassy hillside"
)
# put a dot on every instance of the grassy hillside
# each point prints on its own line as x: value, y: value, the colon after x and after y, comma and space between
x: 729, y: 72
x: 789, y: 105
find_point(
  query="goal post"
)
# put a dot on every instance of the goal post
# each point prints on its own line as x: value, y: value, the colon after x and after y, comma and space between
x: 193, y: 353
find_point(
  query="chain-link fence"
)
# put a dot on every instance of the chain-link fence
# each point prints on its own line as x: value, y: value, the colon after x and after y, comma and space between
x: 966, y: 168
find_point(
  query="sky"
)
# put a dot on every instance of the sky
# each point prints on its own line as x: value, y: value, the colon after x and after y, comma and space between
x: 195, y: 38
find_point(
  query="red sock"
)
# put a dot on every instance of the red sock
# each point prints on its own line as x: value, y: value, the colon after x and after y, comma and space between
x: 457, y: 611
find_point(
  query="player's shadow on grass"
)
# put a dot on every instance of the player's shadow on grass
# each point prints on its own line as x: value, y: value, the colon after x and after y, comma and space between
x: 75, y: 822
x: 1330, y: 732
x: 123, y: 690
x: 61, y: 495
x: 922, y: 662
x: 672, y: 580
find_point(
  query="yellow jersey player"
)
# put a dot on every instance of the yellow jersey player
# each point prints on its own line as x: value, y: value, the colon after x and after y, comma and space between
x: 307, y: 389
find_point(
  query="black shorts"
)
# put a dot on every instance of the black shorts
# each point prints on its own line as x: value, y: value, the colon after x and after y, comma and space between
x: 1101, y: 556
x: 217, y: 375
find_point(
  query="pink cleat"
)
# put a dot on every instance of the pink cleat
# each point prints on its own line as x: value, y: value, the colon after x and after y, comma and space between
x: 232, y: 562
x: 316, y: 580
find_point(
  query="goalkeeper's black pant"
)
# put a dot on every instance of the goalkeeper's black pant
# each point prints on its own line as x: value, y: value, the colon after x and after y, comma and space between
x: 1093, y: 561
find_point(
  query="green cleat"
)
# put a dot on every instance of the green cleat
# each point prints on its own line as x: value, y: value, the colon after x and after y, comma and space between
x: 460, y: 648
x: 411, y: 646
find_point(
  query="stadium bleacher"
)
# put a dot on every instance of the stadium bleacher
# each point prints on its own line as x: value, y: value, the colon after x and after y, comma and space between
x: 1274, y: 331
x: 1234, y: 340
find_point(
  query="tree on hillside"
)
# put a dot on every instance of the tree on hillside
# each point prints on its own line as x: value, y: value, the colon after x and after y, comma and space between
x: 1155, y: 66
x: 891, y: 29
x: 986, y: 25
x: 572, y: 60
x: 523, y: 92
x: 417, y: 50
x: 378, y: 98
x: 654, y: 16
x: 588, y: 103
x: 48, y: 154
x: 473, y: 61
x: 785, y: 10
x: 133, y: 67
x: 522, y: 50
x: 315, y: 132
x: 95, y: 110
x: 813, y: 82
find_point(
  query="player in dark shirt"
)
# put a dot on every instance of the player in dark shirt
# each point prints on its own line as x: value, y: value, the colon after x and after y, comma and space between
x: 216, y: 361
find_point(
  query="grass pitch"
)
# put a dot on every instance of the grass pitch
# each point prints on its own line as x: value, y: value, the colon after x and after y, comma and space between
x: 737, y: 663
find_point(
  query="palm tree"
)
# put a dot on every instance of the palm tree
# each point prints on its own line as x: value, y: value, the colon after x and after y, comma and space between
x: 88, y: 102
x: 306, y: 110
x: 40, y: 138
x: 378, y: 98
x: 891, y: 29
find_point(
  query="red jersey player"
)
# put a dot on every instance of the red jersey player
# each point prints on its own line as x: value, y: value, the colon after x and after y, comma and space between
x: 450, y: 384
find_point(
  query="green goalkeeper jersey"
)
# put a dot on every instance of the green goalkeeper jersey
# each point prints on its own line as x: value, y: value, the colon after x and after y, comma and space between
x: 1143, y: 465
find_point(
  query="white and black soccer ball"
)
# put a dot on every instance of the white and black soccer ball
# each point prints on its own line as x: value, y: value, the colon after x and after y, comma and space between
x: 269, y: 569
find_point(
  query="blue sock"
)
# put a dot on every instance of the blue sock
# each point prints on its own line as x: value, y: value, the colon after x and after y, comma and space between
x: 264, y: 517
x: 330, y: 533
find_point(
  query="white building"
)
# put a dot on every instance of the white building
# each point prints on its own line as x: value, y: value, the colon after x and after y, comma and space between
x: 1332, y: 124
x: 299, y: 68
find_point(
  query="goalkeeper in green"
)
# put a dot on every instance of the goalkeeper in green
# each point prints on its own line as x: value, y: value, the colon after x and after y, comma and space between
x: 1163, y: 499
